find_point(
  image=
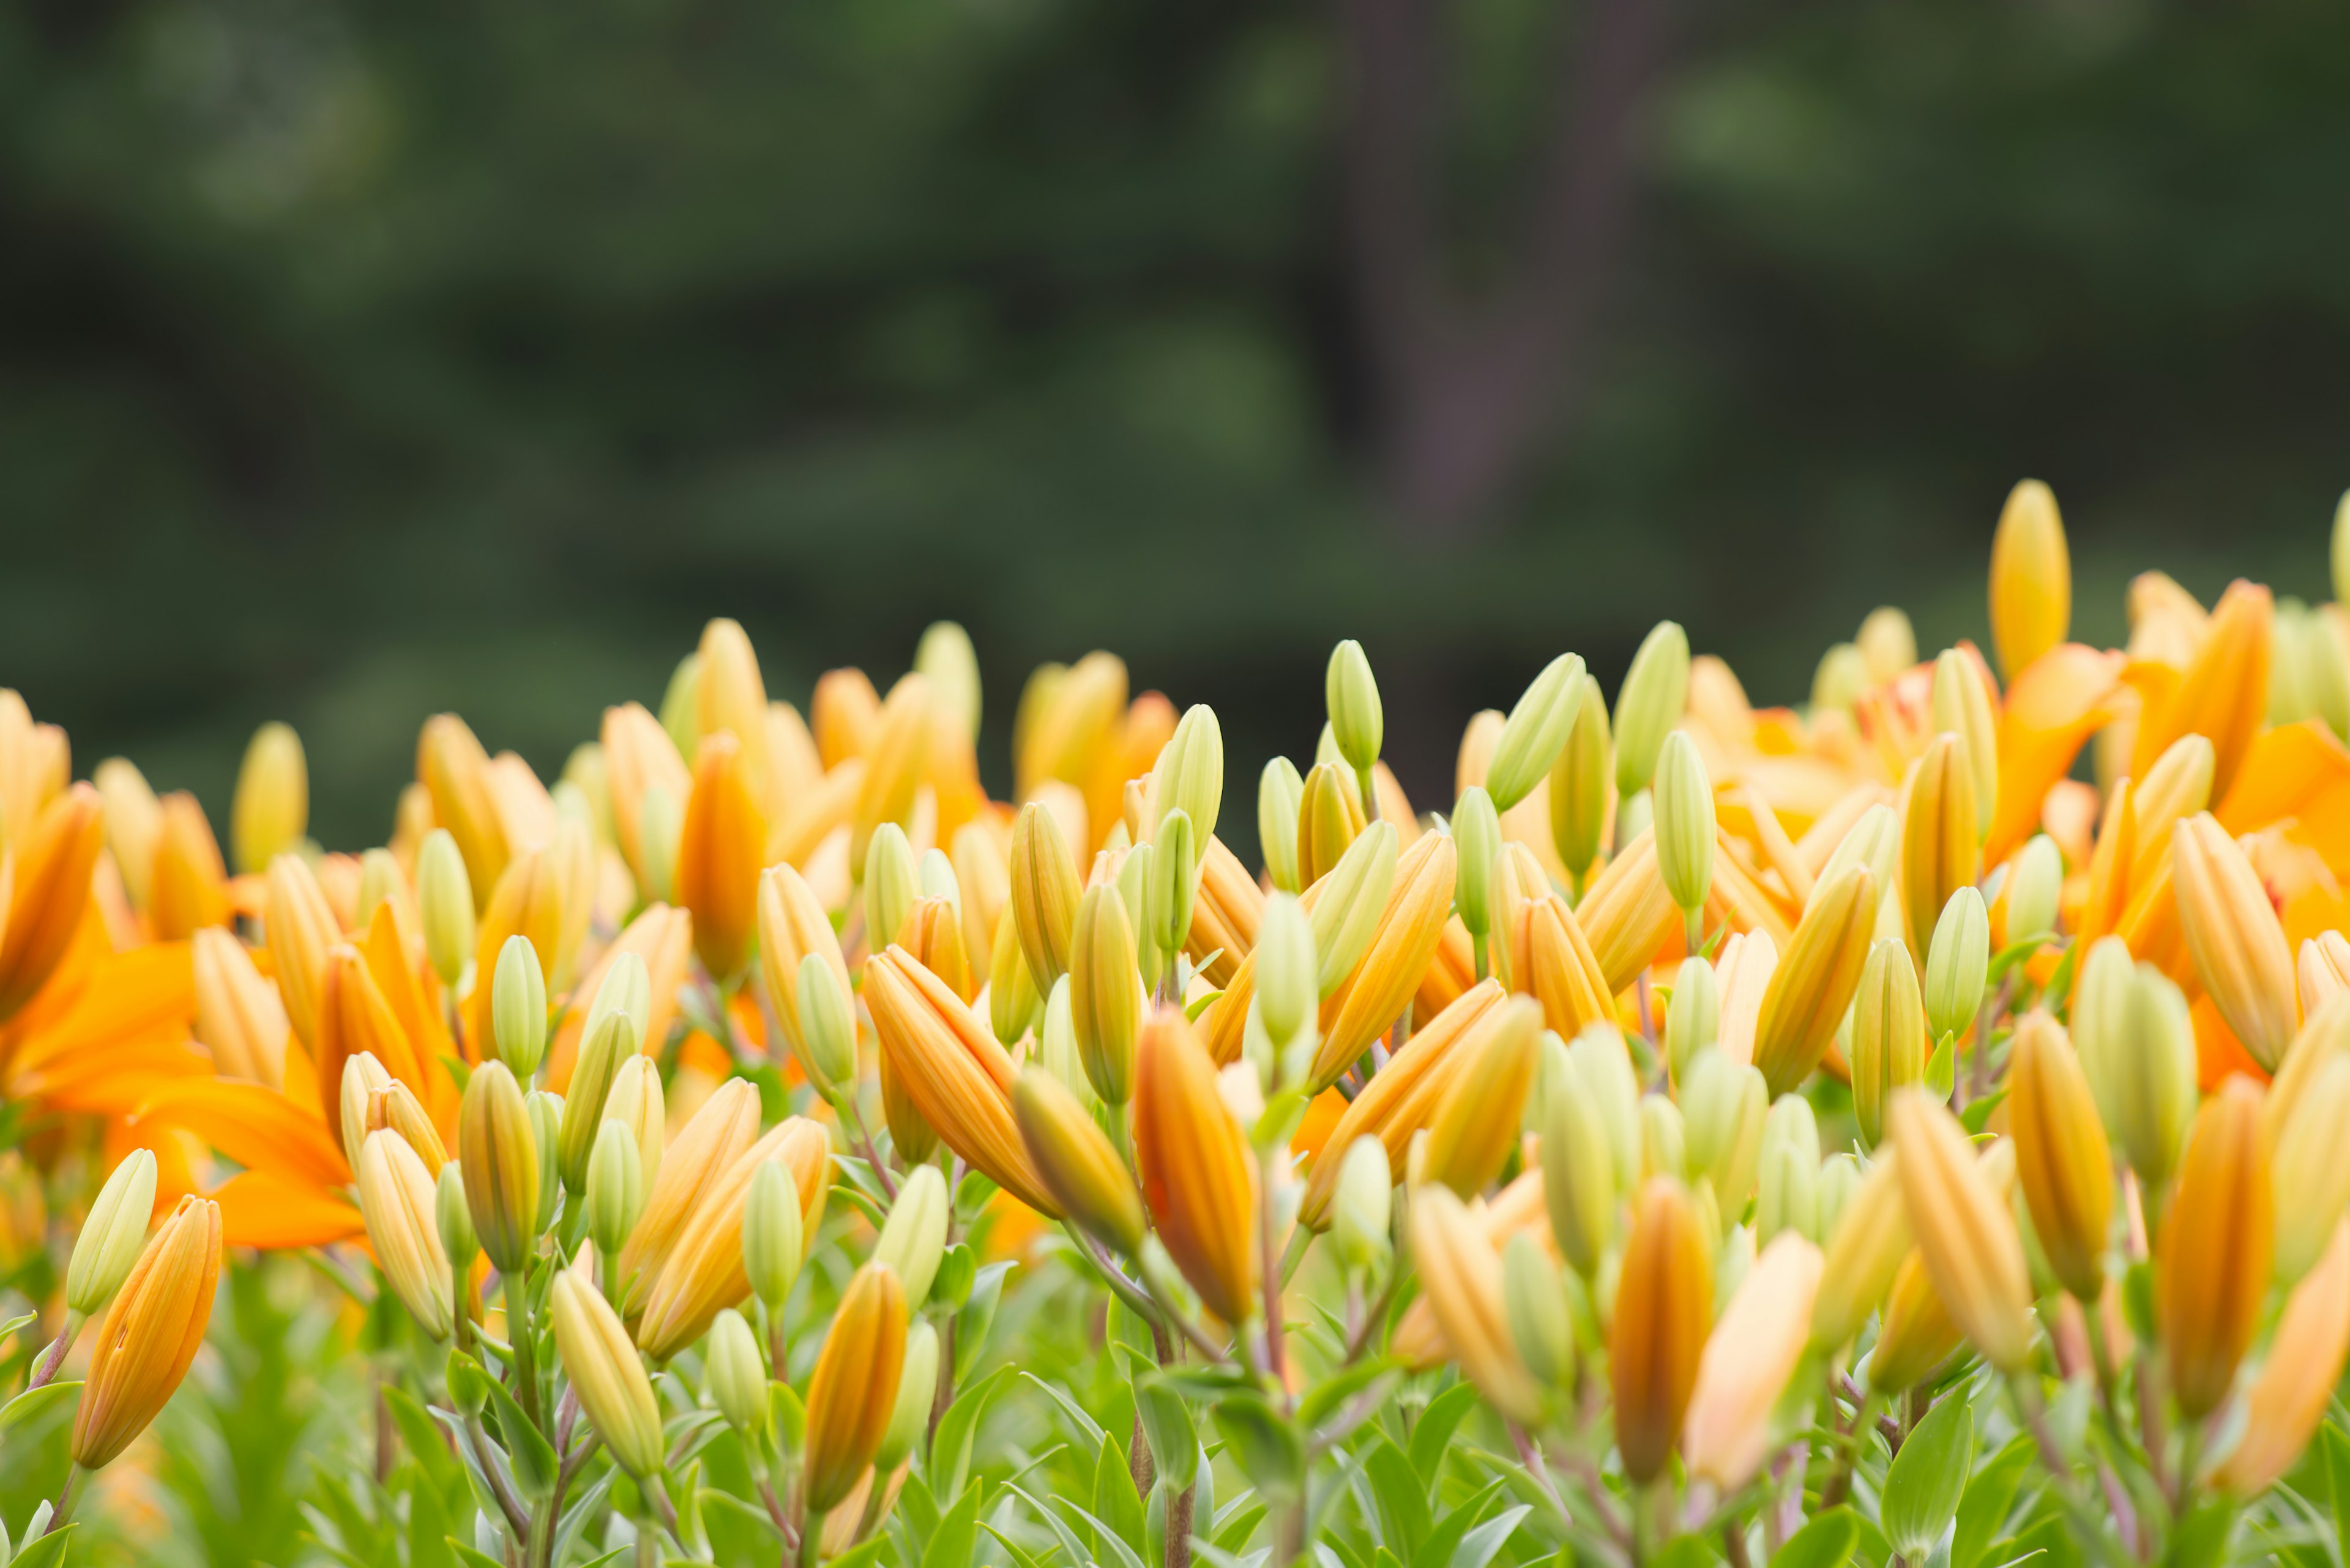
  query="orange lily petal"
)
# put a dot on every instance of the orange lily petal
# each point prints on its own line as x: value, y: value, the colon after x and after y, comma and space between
x: 254, y: 1126
x: 2059, y: 701
x: 259, y: 1209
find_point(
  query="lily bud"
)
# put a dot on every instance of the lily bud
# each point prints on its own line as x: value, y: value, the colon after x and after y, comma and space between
x: 1839, y: 1183
x: 1654, y: 693
x: 2217, y: 1242
x: 187, y: 889
x: 1346, y: 910
x: 2312, y: 1169
x: 2034, y: 885
x: 1888, y: 642
x: 887, y: 874
x: 949, y: 662
x: 1966, y: 1233
x: 1279, y: 794
x: 271, y: 808
x: 1535, y: 732
x: 1578, y: 1170
x: 2322, y: 971
x: 1664, y: 1309
x: 1695, y: 1020
x: 1463, y: 1278
x: 1172, y: 881
x: 397, y: 1199
x: 518, y: 1008
x: 636, y: 1102
x: 736, y: 1374
x: 1748, y: 1363
x: 615, y: 1188
x: 1888, y: 1035
x: 1916, y: 1334
x: 1353, y: 698
x: 2287, y: 1401
x: 705, y: 1270
x: 1198, y: 1176
x: 1476, y: 1124
x: 1535, y: 1307
x: 2233, y: 935
x: 1361, y: 1215
x: 499, y: 1156
x: 454, y: 1219
x: 855, y: 1390
x: 455, y: 772
x: 918, y: 1387
x: 113, y: 1236
x: 2061, y: 1157
x: 1685, y: 824
x: 1841, y: 676
x: 1603, y: 1063
x: 894, y: 767
x: 2223, y: 691
x: 1014, y: 1007
x: 1722, y: 1111
x: 149, y: 1334
x: 1189, y: 773
x: 1865, y: 1249
x: 1411, y: 927
x: 1329, y: 820
x: 1956, y: 964
x: 1941, y: 849
x: 913, y: 1238
x: 1962, y: 707
x: 1664, y: 1138
x: 1045, y: 894
x: 444, y: 900
x: 1477, y: 838
x: 299, y: 927
x: 773, y: 1234
x: 720, y: 848
x: 239, y: 1016
x: 793, y: 928
x: 607, y: 1378
x: 1076, y: 1161
x: 827, y: 1033
x: 1814, y: 984
x: 1786, y: 1196
x: 546, y: 1110
x: 1579, y: 782
x: 2030, y: 579
x: 610, y: 1043
x: 1287, y: 976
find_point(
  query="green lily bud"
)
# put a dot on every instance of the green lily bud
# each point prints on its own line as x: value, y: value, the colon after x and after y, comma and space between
x: 518, y: 1008
x: 498, y: 1152
x: 454, y: 1219
x: 1287, y: 977
x: 1104, y: 992
x: 1792, y: 1121
x: 1888, y: 1036
x: 1477, y: 837
x: 918, y: 1387
x: 1190, y: 773
x: 1723, y: 1107
x: 1013, y: 1005
x: 1664, y: 1138
x: 1887, y: 643
x: 1278, y: 790
x: 1838, y: 1183
x: 1635, y: 815
x: 660, y: 825
x: 772, y: 1233
x: 1057, y: 1039
x: 1534, y: 731
x: 609, y: 1043
x: 1604, y: 1064
x: 1174, y: 877
x: 735, y: 1373
x: 626, y: 990
x: 1787, y: 1193
x: 1579, y: 781
x: 2101, y: 1012
x: 113, y: 1236
x: 615, y: 1194
x: 1655, y: 692
x: 2037, y: 880
x: 827, y: 1029
x: 2311, y: 1170
x: 945, y: 658
x: 1841, y: 677
x: 1356, y: 723
x: 1362, y: 1210
x: 1579, y: 1187
x: 914, y: 1237
x: 1534, y: 1304
x: 2153, y: 1078
x: 444, y: 906
x: 1695, y: 1018
x: 680, y: 705
x: 934, y: 877
x: 546, y: 1138
x: 1958, y: 962
x: 889, y: 890
x: 1683, y: 797
x: 1346, y: 913
x: 1962, y: 707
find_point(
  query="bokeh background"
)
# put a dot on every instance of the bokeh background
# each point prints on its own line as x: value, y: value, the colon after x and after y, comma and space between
x: 359, y: 360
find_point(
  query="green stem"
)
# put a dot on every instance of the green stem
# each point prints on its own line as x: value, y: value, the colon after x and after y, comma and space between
x: 526, y: 1353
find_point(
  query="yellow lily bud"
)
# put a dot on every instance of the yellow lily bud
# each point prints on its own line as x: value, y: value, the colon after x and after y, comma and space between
x: 610, y: 1043
x: 1813, y: 985
x: 1534, y: 1306
x: 1287, y: 975
x: 932, y: 936
x: 729, y: 696
x: 844, y: 711
x: 113, y: 1236
x: 397, y: 1197
x: 1461, y: 1275
x: 518, y: 1008
x: 1648, y: 704
x: 640, y: 760
x: 2321, y: 971
x: 1476, y: 1127
x: 718, y: 855
x: 1748, y: 1363
x: 1279, y: 796
x: 2218, y: 1242
x: 855, y: 1388
x: 914, y: 1236
x: 894, y: 768
x: 1329, y: 819
x: 607, y: 1378
x: 444, y: 900
x: 1170, y: 875
x: 1664, y: 1309
x: 499, y: 1156
x: 455, y: 771
x: 1966, y: 1233
x: 2223, y: 691
x: 150, y: 1333
x: 2061, y: 1156
x: 911, y: 1137
x: 2174, y: 789
x: 1838, y: 1183
x: 1685, y: 824
x: 1579, y: 781
x: 393, y: 1104
x: 951, y: 1070
x: 1722, y: 1110
x: 2312, y: 1169
x: 239, y: 1018
x: 453, y: 1221
x: 735, y: 1373
x: 1363, y: 1211
x: 1887, y: 643
x: 1198, y: 1176
x: 1627, y: 911
x: 2234, y: 937
x: 355, y: 1024
x: 1189, y: 776
x: 2289, y: 1397
x: 1865, y: 1249
x: 1962, y: 707
x: 774, y: 1234
x: 704, y: 1271
x: 2036, y: 884
x: 55, y: 860
x: 793, y: 927
x: 946, y: 658
x: 1786, y: 1192
x: 1840, y: 677
x: 1352, y: 695
x: 271, y: 807
x: 1695, y: 1020
x: 636, y: 1102
x: 187, y: 884
x: 681, y: 705
x: 545, y: 1129
x: 1477, y: 837
x: 1664, y: 1138
x: 910, y: 1413
x: 1535, y: 732
x: 1888, y: 1035
x: 1349, y: 903
x: 2325, y: 1033
x: 1916, y: 1334
x: 134, y: 822
x: 1013, y: 1005
x: 1045, y: 894
x: 1076, y: 1161
x: 1227, y: 908
x: 1562, y: 971
x: 2030, y: 579
x: 614, y: 1188
x: 1941, y: 851
x: 1409, y: 929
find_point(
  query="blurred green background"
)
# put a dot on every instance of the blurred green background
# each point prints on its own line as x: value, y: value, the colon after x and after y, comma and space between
x: 359, y: 360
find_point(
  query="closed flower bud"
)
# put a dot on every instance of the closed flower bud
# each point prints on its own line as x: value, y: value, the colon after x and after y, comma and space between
x: 793, y: 928
x: 394, y: 1105
x: 774, y: 1235
x: 1353, y: 698
x: 1888, y: 1035
x: 1962, y: 707
x: 1815, y: 982
x: 1966, y: 1233
x: 271, y: 808
x: 1839, y: 1183
x: 455, y: 772
x: 1957, y: 963
x: 913, y: 1238
x: 1888, y: 642
x: 607, y: 1378
x: 546, y: 1133
x: 736, y: 1374
x: 1840, y: 677
x: 499, y: 1154
x: 1535, y: 730
x: 1695, y: 1020
x: 1533, y: 1301
x: 1916, y: 1334
x: 946, y: 660
x: 615, y: 1188
x: 1722, y: 1110
x: 239, y: 1016
x: 827, y: 1033
x: 1172, y: 881
x: 1786, y: 1193
x: 1941, y: 847
x: 1603, y: 1063
x: 113, y: 1236
x: 636, y: 1102
x: 1748, y: 1363
x: 1790, y: 1123
x: 1361, y: 1213
x: 2156, y: 1073
x: 2312, y: 1168
x: 134, y: 823
x: 1198, y: 1176
x: 2036, y: 883
x: 1664, y: 1138
x: 2323, y: 970
x: 1476, y: 1124
x: 1287, y: 975
x: 1463, y: 1278
x: 1346, y: 910
x: 1655, y: 692
x: 854, y: 1391
x: 720, y: 850
x: 918, y: 1387
x: 1077, y: 1162
x: 2287, y: 1399
x: 1578, y: 1169
x: 2213, y: 1268
x: 1579, y: 781
x: 1477, y: 838
x: 299, y: 927
x: 1014, y: 1006
x: 1409, y: 930
x: 1664, y: 1309
x: 2061, y: 1158
x: 454, y: 1219
x: 1865, y: 1247
x: 1329, y: 820
x: 444, y: 900
x: 2234, y: 937
x: 397, y: 1198
x: 151, y: 1332
x: 2223, y: 691
x: 887, y: 874
x: 1045, y: 894
x: 2030, y: 579
x: 187, y: 888
x: 1189, y: 773
x: 1685, y: 824
x: 610, y: 1043
x: 518, y: 1008
x: 1279, y: 792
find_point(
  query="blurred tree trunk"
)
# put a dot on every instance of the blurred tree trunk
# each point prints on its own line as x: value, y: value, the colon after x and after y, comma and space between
x: 1465, y: 383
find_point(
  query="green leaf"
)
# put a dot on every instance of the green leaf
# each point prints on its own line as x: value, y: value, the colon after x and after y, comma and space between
x: 1088, y: 1428
x: 2014, y: 953
x: 958, y: 1531
x: 1941, y: 1067
x: 1124, y: 1556
x: 1479, y: 1547
x: 1983, y: 1511
x: 527, y: 1450
x: 1927, y: 1476
x: 977, y: 1316
x: 1688, y: 1551
x: 1078, y: 1555
x: 14, y: 1324
x: 1327, y: 1397
x: 2200, y: 1540
x: 2338, y: 1475
x: 1021, y: 1556
x: 428, y: 1514
x: 425, y: 1444
x: 470, y: 1558
x: 2138, y: 1302
x: 919, y: 1506
x: 1234, y: 1533
x: 1167, y: 1423
x: 588, y: 1505
x: 1437, y: 1550
x: 1116, y: 1502
x: 1265, y: 1447
x: 1433, y: 1433
x: 1976, y: 1116
x: 48, y: 1551
x: 958, y: 1271
x: 1825, y: 1543
x: 35, y: 1402
x: 951, y: 1444
x: 1401, y: 1492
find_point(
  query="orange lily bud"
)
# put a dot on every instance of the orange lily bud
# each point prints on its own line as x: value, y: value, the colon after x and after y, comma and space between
x: 855, y: 1388
x: 2286, y: 1400
x: 2233, y: 935
x: 1476, y: 1124
x: 134, y: 822
x: 951, y: 1070
x: 1748, y: 1362
x: 1330, y: 815
x: 1406, y: 939
x: 1076, y: 1161
x: 2060, y: 1155
x: 1565, y: 975
x: 730, y: 696
x: 1626, y: 912
x: 1198, y: 1176
x: 151, y: 1332
x: 792, y: 924
x: 692, y: 1163
x: 1865, y: 1251
x: 894, y: 765
x: 455, y: 771
x: 933, y: 932
x: 1664, y: 1308
x: 1044, y: 893
x: 2030, y: 579
x: 54, y: 864
x: 703, y: 1274
x: 2223, y: 694
x: 272, y: 804
x: 1966, y: 1232
x: 639, y: 757
x: 1939, y: 850
x: 300, y: 927
x: 844, y: 713
x: 2175, y: 788
x: 611, y: 1383
x: 2217, y: 1245
x: 1225, y: 912
x: 1462, y: 1274
x: 187, y: 888
x: 239, y: 1018
x: 1888, y: 1035
x: 718, y: 857
x: 1811, y: 987
x: 1916, y: 1334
